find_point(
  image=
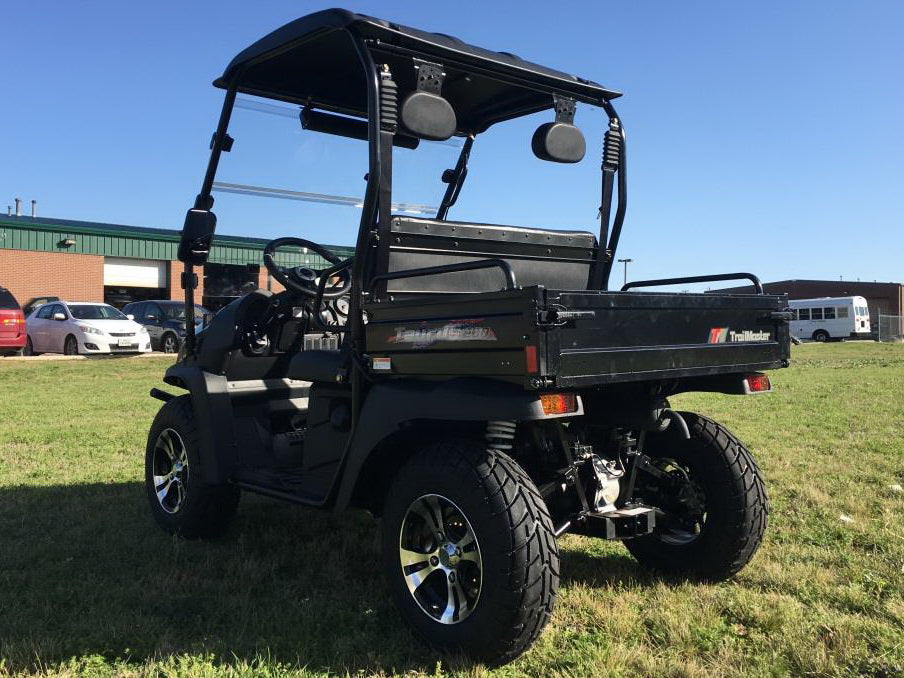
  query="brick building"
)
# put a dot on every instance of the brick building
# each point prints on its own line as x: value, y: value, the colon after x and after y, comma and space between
x: 85, y: 261
x: 884, y: 298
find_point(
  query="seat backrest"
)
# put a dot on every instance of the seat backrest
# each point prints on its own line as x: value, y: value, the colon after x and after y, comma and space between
x: 555, y: 259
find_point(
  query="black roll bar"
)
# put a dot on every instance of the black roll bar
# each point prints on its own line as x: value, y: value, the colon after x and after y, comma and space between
x: 757, y: 285
x: 606, y: 255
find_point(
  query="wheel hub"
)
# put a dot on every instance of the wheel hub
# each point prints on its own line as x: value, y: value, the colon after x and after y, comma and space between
x: 449, y: 555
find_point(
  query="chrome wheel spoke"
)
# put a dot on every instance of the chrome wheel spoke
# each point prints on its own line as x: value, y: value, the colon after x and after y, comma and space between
x: 416, y: 579
x: 167, y: 446
x: 164, y: 489
x: 431, y: 513
x: 410, y: 558
x: 456, y: 603
x: 472, y: 555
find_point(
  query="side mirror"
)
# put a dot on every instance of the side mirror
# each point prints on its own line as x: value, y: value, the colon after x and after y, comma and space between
x: 197, y: 236
x: 559, y: 142
x: 130, y: 316
x: 59, y: 316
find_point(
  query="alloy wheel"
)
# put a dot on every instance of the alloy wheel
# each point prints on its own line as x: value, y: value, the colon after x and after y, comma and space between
x: 440, y: 559
x: 170, y: 464
x: 169, y: 344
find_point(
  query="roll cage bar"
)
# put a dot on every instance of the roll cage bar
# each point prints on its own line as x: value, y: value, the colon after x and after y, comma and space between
x: 382, y: 124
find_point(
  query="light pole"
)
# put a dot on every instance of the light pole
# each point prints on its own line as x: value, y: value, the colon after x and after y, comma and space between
x: 625, y: 262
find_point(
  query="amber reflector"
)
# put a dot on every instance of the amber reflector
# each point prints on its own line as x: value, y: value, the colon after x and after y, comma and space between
x: 559, y: 403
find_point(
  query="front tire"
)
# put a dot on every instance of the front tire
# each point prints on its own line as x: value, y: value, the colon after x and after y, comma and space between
x: 169, y: 343
x: 180, y: 503
x: 469, y: 553
x: 713, y: 501
x: 70, y: 346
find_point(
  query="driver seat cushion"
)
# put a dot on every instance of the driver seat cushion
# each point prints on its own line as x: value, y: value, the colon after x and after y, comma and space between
x: 315, y: 366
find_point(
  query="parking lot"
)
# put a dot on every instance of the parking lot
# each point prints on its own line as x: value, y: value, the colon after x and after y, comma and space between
x: 90, y: 584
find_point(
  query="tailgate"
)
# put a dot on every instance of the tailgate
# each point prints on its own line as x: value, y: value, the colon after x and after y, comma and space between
x: 604, y: 337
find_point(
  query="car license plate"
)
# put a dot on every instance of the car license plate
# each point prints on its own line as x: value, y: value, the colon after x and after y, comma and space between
x: 125, y: 341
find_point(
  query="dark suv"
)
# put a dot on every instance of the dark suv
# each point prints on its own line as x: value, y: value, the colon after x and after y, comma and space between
x: 165, y: 321
x: 12, y: 324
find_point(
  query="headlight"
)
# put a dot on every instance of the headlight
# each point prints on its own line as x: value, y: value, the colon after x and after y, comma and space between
x: 90, y: 330
x: 143, y: 330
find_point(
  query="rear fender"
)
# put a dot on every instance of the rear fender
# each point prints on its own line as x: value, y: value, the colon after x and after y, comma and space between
x: 388, y: 407
x: 213, y: 415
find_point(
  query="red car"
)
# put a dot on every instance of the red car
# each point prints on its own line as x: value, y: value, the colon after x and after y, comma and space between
x: 12, y: 324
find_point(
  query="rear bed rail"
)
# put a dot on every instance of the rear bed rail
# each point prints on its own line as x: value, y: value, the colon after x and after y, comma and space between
x: 758, y: 286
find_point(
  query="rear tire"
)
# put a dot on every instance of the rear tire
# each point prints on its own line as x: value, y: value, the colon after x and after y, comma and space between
x: 29, y: 348
x: 180, y: 503
x: 70, y: 346
x: 498, y: 609
x: 820, y: 336
x: 721, y: 469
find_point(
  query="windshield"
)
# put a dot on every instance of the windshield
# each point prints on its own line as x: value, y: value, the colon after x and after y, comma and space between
x: 177, y: 312
x: 95, y: 312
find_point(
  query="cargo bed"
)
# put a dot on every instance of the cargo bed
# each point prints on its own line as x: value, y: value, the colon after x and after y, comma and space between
x: 551, y: 338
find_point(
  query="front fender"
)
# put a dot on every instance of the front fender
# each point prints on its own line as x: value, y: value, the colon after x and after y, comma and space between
x: 213, y: 415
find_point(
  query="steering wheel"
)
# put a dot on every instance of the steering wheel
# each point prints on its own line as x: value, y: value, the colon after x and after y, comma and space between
x: 302, y: 279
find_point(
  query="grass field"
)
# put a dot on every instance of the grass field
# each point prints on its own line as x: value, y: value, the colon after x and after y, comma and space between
x: 90, y: 586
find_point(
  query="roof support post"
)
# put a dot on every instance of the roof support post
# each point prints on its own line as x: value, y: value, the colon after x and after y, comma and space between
x: 613, y: 167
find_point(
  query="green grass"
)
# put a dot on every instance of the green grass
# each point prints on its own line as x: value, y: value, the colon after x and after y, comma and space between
x: 90, y: 586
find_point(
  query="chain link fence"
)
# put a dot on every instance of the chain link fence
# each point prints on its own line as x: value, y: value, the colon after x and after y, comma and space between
x: 891, y: 327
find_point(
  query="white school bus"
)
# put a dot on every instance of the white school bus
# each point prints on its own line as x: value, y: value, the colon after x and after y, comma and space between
x: 830, y: 318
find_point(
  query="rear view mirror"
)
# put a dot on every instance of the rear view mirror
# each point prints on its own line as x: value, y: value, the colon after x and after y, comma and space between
x: 197, y: 236
x: 428, y: 116
x: 130, y: 316
x: 559, y: 142
x: 59, y: 316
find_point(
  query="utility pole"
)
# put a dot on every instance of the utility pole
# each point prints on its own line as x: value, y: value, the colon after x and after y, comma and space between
x: 625, y: 262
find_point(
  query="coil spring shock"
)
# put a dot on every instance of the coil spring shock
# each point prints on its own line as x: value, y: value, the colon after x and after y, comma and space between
x: 500, y: 435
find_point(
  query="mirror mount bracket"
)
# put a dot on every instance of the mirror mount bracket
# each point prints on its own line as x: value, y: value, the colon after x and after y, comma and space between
x: 429, y: 76
x: 565, y: 109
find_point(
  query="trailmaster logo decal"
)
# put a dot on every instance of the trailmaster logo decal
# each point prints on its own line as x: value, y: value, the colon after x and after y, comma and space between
x: 721, y: 335
x: 468, y: 329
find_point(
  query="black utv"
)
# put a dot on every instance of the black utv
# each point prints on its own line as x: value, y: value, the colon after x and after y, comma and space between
x: 479, y: 387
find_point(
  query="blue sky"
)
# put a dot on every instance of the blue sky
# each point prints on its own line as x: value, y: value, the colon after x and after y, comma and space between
x: 763, y: 136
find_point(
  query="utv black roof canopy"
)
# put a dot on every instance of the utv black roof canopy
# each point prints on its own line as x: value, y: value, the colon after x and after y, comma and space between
x: 313, y: 61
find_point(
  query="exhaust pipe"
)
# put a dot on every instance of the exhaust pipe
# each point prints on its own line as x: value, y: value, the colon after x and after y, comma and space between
x: 18, y: 207
x: 34, y: 208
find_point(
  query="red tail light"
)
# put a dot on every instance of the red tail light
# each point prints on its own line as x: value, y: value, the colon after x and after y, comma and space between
x: 559, y: 403
x: 757, y: 383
